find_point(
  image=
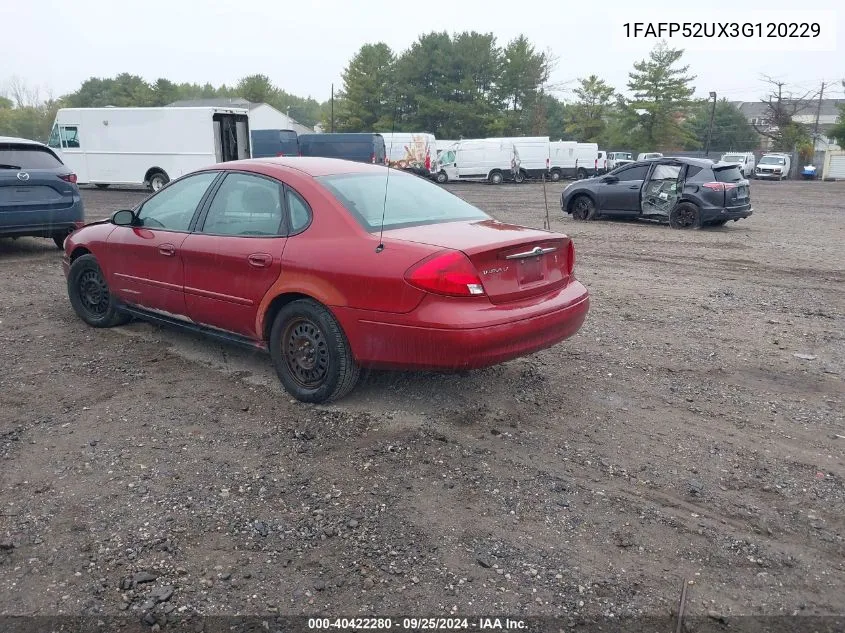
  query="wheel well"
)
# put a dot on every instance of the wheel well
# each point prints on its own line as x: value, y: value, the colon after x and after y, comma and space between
x: 153, y: 170
x: 273, y: 309
x: 78, y: 252
x: 577, y: 195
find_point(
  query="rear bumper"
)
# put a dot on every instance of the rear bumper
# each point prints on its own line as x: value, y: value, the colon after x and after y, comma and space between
x: 765, y: 176
x: 729, y: 213
x: 42, y: 222
x: 497, y: 333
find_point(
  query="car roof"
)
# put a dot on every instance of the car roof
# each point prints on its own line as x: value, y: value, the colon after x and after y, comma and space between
x: 310, y: 165
x: 20, y: 141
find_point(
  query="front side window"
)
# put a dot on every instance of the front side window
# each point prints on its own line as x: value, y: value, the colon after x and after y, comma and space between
x: 409, y: 200
x: 447, y: 157
x: 70, y: 136
x: 53, y: 141
x: 245, y: 205
x: 173, y: 207
x: 637, y: 172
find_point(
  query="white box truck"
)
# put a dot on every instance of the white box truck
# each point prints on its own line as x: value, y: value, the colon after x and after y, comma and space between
x: 494, y: 161
x: 149, y: 146
x: 412, y: 151
x: 533, y: 155
x: 569, y: 159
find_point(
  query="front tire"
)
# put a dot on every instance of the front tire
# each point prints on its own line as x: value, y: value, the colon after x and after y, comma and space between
x: 519, y: 177
x: 157, y: 180
x: 311, y: 354
x: 441, y: 178
x: 89, y: 294
x: 581, y: 173
x: 583, y: 208
x: 554, y: 175
x: 685, y: 216
x: 102, y: 185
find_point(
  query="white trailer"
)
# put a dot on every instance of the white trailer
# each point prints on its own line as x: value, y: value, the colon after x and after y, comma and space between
x: 493, y: 161
x: 149, y: 146
x: 573, y: 160
x: 534, y: 155
x: 412, y: 151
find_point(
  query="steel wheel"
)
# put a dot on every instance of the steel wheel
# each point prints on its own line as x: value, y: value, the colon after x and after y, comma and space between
x: 93, y: 293
x: 306, y: 353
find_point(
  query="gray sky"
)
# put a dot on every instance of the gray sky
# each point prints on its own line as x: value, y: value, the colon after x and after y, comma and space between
x: 303, y: 46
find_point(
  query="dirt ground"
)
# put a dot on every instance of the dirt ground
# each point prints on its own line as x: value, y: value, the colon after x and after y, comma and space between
x: 693, y: 431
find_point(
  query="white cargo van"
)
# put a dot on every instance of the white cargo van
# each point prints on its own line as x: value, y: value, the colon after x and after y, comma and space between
x: 533, y: 155
x: 149, y: 146
x: 773, y: 165
x: 569, y: 159
x: 744, y: 160
x: 617, y: 159
x: 412, y: 151
x: 494, y: 161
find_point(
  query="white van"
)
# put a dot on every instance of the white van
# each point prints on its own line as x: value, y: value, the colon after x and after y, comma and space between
x: 533, y: 155
x: 774, y: 166
x: 569, y: 159
x: 494, y: 161
x: 649, y: 156
x: 149, y: 146
x: 617, y: 159
x: 744, y: 160
x: 412, y: 151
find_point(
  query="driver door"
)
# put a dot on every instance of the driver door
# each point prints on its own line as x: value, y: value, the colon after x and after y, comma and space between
x: 145, y: 266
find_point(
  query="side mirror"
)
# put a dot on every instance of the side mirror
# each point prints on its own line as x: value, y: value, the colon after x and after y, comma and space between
x: 124, y: 217
x: 610, y: 180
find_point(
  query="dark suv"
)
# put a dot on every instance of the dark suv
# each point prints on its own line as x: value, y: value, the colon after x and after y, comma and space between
x: 38, y: 193
x: 685, y: 192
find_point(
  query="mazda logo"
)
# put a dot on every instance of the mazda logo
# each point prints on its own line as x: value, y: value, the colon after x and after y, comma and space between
x: 23, y: 176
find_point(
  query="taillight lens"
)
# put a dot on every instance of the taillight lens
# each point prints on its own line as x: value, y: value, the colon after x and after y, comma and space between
x: 448, y: 273
x: 69, y: 178
x: 719, y: 186
x: 373, y: 158
x: 570, y: 258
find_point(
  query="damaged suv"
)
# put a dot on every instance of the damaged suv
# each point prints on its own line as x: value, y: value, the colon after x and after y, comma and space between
x: 683, y: 192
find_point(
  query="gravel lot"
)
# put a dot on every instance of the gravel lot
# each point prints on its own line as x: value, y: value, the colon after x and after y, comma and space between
x: 693, y: 431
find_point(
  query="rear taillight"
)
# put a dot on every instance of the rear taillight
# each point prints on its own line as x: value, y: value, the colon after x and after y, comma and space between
x: 71, y: 178
x: 719, y: 186
x: 447, y: 273
x: 570, y: 258
x: 280, y: 154
x: 373, y: 158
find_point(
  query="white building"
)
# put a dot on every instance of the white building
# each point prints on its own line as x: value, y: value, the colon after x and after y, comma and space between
x: 262, y: 116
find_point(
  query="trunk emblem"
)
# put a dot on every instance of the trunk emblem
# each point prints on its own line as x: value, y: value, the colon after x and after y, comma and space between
x: 492, y: 271
x: 23, y: 176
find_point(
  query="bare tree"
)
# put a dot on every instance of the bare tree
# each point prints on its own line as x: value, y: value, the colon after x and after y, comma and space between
x: 23, y: 95
x: 782, y: 105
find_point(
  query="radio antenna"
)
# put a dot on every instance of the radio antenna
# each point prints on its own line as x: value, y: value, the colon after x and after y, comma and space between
x: 380, y: 246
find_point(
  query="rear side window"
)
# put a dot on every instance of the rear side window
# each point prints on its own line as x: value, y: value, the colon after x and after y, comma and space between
x: 300, y: 212
x: 18, y: 156
x: 731, y: 174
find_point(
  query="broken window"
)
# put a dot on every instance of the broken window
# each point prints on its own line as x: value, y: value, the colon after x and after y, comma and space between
x: 661, y: 191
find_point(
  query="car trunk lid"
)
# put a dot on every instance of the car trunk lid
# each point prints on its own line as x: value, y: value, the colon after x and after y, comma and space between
x: 513, y: 262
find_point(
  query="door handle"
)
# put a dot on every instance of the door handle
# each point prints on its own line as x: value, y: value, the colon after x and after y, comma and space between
x: 634, y: 187
x: 168, y: 250
x: 260, y: 260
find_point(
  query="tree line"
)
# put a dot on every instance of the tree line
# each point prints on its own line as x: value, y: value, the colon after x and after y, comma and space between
x: 464, y: 85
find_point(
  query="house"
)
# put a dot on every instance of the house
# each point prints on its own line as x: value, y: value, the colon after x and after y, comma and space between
x: 262, y: 116
x: 756, y: 112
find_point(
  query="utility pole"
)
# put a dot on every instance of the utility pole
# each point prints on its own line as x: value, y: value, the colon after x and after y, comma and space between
x: 332, y: 126
x: 818, y: 114
x: 710, y: 129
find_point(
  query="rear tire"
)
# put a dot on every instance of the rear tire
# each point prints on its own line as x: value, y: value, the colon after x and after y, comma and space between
x: 157, y: 180
x: 441, y: 178
x: 583, y: 208
x: 311, y: 354
x: 60, y: 241
x: 89, y: 294
x: 685, y: 216
x: 495, y: 177
x: 581, y: 173
x: 555, y: 175
x: 519, y: 177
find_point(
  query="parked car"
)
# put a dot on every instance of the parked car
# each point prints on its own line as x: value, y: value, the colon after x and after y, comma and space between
x: 617, y: 159
x: 38, y: 193
x: 481, y: 160
x: 359, y: 147
x: 745, y: 161
x: 775, y: 166
x: 649, y: 156
x: 331, y: 267
x: 147, y: 146
x: 685, y: 192
x: 266, y: 143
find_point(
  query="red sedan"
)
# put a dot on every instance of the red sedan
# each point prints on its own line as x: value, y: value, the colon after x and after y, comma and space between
x: 331, y: 266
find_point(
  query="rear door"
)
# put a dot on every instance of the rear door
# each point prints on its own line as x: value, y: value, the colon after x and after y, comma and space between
x: 35, y: 187
x: 144, y: 263
x: 235, y: 254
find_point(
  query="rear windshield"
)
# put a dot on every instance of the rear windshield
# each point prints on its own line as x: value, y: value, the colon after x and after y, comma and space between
x: 729, y: 174
x: 773, y: 160
x: 13, y: 156
x: 410, y: 201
